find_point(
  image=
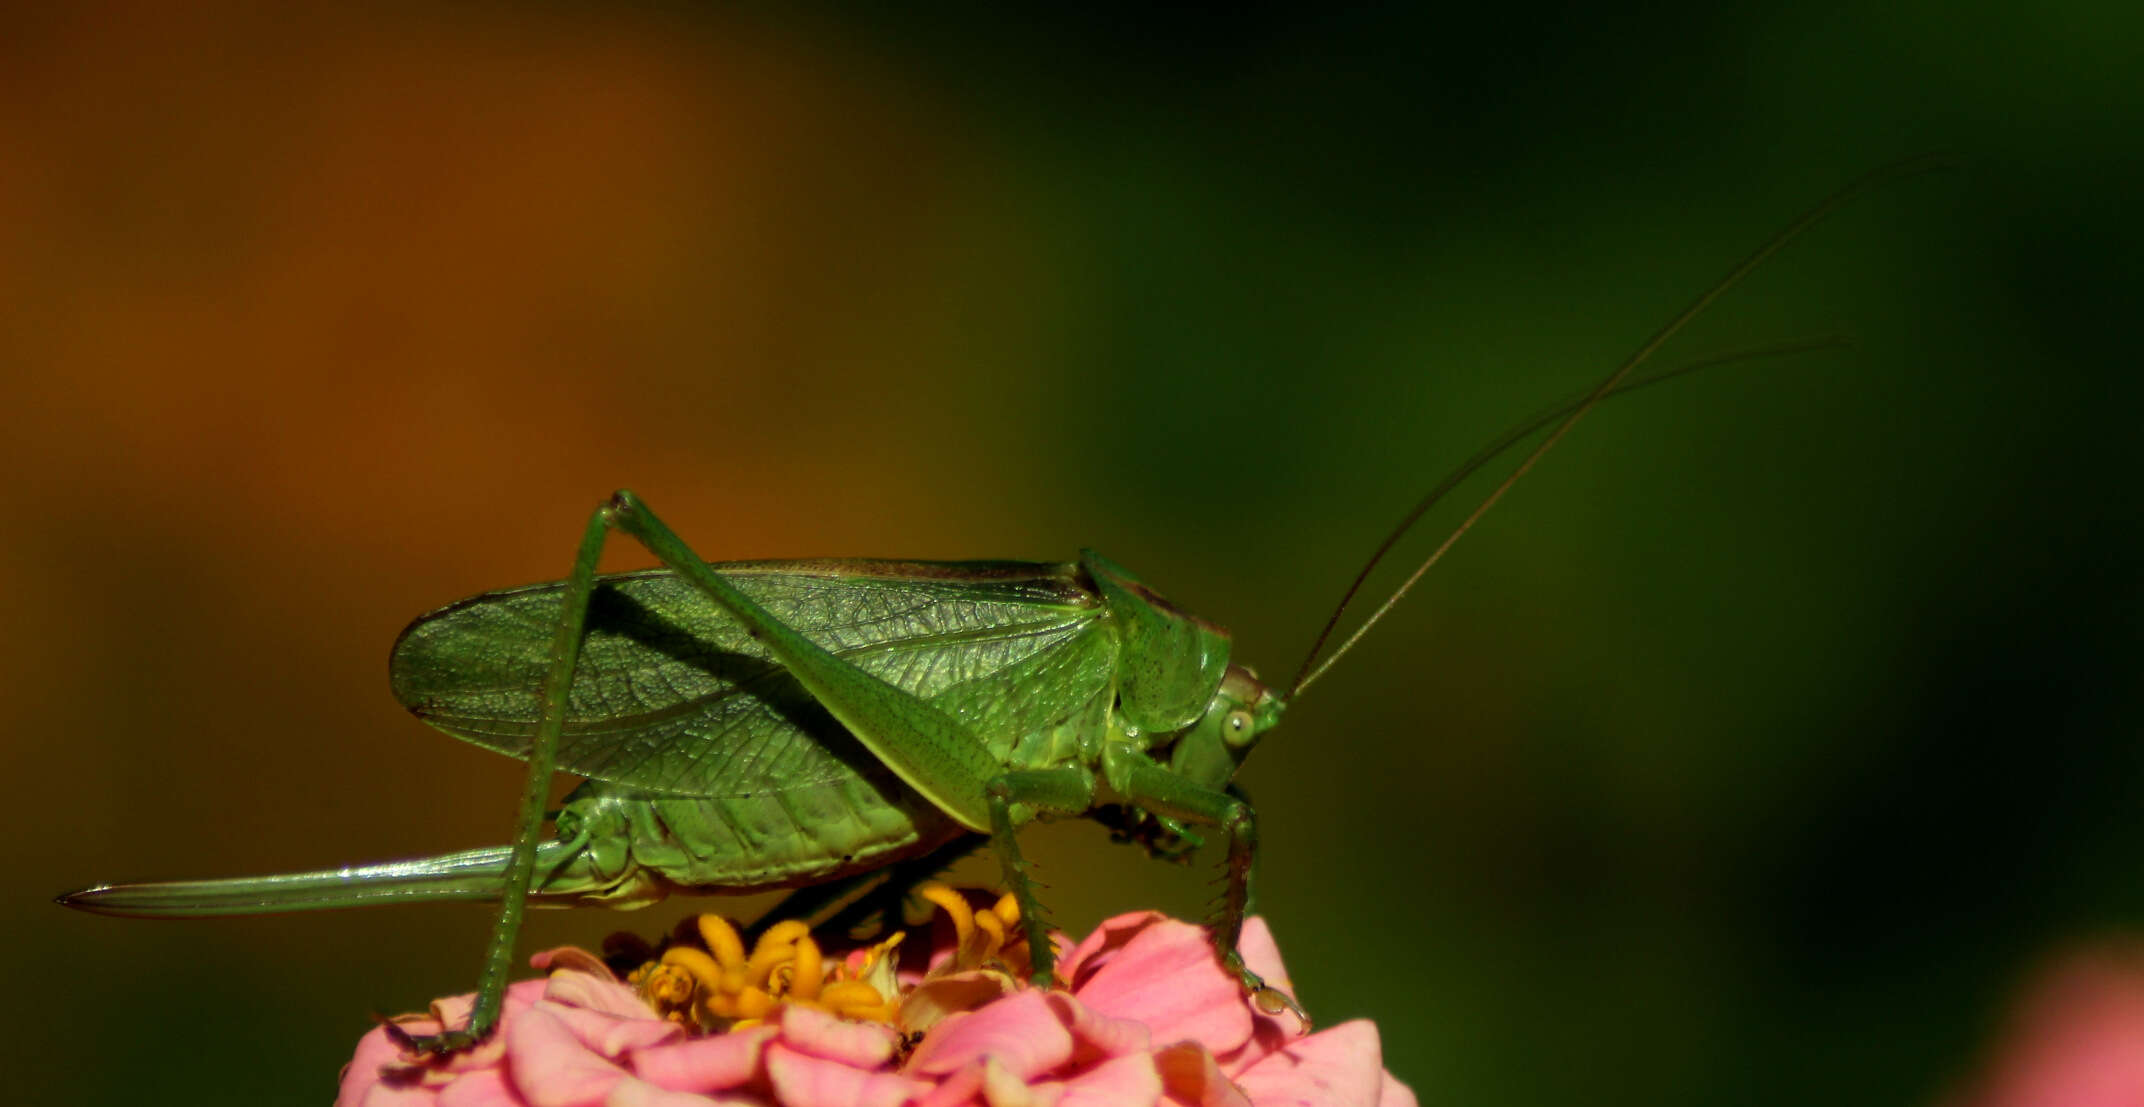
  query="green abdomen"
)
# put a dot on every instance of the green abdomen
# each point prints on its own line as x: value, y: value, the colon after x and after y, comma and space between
x: 642, y: 846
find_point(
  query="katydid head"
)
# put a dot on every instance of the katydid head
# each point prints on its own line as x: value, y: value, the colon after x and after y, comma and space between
x: 1209, y: 750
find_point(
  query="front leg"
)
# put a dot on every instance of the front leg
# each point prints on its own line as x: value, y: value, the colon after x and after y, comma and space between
x: 1015, y: 798
x: 1157, y: 790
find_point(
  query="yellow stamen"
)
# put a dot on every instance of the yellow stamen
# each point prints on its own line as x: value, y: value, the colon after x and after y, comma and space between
x: 993, y: 935
x: 704, y: 971
x: 850, y: 993
x: 956, y: 908
x: 722, y: 940
x: 774, y: 947
x: 980, y: 937
x: 724, y: 986
x: 752, y: 1003
x: 668, y: 988
x: 807, y: 972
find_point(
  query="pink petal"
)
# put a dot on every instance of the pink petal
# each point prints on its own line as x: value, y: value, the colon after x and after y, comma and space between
x: 1269, y: 1034
x: 454, y: 1010
x: 860, y: 1045
x: 1001, y: 1088
x: 640, y: 1093
x: 1022, y: 1031
x: 1392, y: 1093
x: 1097, y: 1036
x: 596, y: 993
x: 362, y: 1074
x: 957, y: 1089
x: 376, y: 1055
x: 483, y: 1057
x: 610, y: 1035
x: 704, y: 1064
x: 1123, y: 1082
x: 1190, y: 1077
x: 480, y: 1089
x: 550, y: 1065
x: 1261, y: 954
x: 568, y: 958
x: 520, y: 996
x: 801, y: 1080
x: 1111, y: 935
x: 390, y: 1095
x: 2078, y: 1038
x: 930, y: 1001
x: 1340, y: 1067
x: 1166, y: 976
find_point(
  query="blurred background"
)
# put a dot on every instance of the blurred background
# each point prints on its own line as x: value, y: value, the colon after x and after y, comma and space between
x: 1757, y: 749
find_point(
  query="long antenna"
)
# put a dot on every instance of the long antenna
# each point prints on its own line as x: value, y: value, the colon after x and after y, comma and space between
x: 1524, y: 429
x: 1613, y: 383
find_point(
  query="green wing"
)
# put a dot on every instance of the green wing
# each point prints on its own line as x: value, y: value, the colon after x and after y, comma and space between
x: 672, y: 696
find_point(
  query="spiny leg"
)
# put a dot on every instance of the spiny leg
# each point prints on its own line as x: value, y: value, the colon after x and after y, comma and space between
x: 1250, y: 879
x: 929, y: 750
x: 535, y: 797
x: 1162, y: 792
x: 1064, y: 791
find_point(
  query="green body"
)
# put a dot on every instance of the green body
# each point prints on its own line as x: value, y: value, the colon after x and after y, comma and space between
x: 711, y: 769
x: 778, y: 724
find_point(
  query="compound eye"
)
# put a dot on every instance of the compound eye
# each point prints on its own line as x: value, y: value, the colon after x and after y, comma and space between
x: 1237, y: 726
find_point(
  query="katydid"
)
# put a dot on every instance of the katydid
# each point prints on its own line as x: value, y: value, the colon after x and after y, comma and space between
x: 758, y: 725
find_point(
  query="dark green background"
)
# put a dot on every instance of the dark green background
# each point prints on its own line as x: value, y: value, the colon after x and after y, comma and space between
x: 1754, y: 751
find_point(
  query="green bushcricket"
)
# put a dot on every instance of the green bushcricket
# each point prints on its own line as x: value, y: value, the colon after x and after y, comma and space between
x: 759, y: 725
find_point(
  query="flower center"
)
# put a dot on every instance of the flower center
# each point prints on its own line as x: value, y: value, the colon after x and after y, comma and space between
x: 714, y: 983
x: 717, y: 985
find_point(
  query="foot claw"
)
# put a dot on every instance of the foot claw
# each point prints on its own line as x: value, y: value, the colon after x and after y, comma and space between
x: 1273, y: 1001
x: 418, y: 1045
x: 1269, y: 999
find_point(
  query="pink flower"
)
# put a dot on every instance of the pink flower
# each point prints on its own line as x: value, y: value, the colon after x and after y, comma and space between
x: 1151, y: 1018
x: 1148, y: 1017
x: 2077, y: 1040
